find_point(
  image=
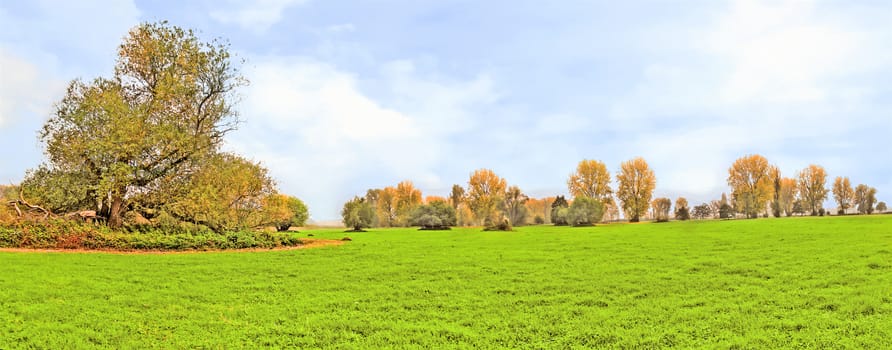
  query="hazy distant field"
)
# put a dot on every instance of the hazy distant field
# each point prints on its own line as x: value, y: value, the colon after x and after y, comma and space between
x: 767, y: 283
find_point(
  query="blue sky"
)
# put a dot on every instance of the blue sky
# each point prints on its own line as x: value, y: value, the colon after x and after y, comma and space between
x: 348, y: 95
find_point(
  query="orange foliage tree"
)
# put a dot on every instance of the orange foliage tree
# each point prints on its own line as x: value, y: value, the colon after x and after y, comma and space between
x: 751, y: 184
x: 812, y: 182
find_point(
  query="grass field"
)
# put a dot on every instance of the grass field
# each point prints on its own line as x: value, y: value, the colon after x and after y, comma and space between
x: 766, y: 283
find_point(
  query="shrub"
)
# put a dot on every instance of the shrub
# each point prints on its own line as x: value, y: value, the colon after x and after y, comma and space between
x: 438, y: 215
x: 69, y: 234
x: 585, y: 211
x: 538, y: 220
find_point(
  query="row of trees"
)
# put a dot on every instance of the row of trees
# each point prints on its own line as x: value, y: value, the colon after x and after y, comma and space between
x: 143, y: 146
x: 756, y: 188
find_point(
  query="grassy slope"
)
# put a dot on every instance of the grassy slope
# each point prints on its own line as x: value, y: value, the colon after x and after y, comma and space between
x: 814, y: 282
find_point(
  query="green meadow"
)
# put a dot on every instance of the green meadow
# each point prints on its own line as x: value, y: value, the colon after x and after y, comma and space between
x: 817, y: 282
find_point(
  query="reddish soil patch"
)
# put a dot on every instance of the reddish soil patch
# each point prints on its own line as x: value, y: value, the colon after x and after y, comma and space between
x: 307, y: 243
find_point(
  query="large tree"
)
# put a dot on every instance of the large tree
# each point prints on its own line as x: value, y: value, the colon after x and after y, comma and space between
x: 168, y: 103
x: 456, y: 196
x: 407, y: 198
x: 865, y: 198
x: 486, y: 192
x: 636, y: 183
x: 812, y: 187
x: 591, y: 180
x: 843, y: 193
x: 787, y: 195
x: 358, y: 213
x: 661, y: 208
x: 515, y: 206
x: 751, y: 183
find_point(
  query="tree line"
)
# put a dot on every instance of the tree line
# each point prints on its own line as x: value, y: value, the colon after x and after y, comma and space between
x: 757, y: 189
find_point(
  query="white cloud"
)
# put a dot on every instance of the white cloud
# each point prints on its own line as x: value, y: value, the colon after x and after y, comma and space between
x: 23, y: 89
x: 256, y: 15
x: 762, y: 74
x: 321, y: 135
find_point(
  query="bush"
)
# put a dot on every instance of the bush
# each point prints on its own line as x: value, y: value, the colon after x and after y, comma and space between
x: 538, y: 220
x: 585, y: 212
x: 68, y: 234
x: 437, y: 215
x: 499, y: 225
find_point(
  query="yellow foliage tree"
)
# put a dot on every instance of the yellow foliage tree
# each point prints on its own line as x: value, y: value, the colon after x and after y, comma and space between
x: 486, y: 192
x: 636, y: 184
x: 812, y: 187
x: 843, y: 193
x: 751, y: 184
x: 407, y: 199
x: 788, y: 193
x: 591, y: 180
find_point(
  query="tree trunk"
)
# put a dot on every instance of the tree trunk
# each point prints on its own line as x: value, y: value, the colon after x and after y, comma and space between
x: 116, y: 211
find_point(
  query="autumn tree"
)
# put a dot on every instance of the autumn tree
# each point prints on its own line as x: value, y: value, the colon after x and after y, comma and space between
x: 585, y: 211
x: 776, y: 178
x: 225, y: 193
x: 591, y: 180
x: 661, y: 208
x: 787, y: 195
x: 540, y: 209
x: 358, y: 214
x: 751, y: 183
x: 865, y: 198
x: 636, y: 183
x: 485, y: 196
x: 515, y: 206
x: 384, y: 201
x: 456, y: 196
x: 168, y: 103
x: 812, y: 187
x: 682, y: 212
x: 407, y: 199
x: 843, y: 193
x: 559, y: 211
x: 284, y: 212
x: 881, y: 207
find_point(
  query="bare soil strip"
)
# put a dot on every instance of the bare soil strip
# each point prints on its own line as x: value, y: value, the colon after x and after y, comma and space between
x: 305, y: 243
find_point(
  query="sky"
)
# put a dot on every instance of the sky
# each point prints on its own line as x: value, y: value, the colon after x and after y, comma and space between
x: 350, y: 95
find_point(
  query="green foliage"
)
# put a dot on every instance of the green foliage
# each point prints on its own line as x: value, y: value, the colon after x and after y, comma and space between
x: 585, y: 211
x: 437, y: 215
x: 682, y: 214
x: 285, y: 212
x: 226, y: 193
x: 515, y: 206
x: 538, y: 220
x: 703, y: 284
x: 493, y: 224
x: 112, y: 140
x: 559, y: 211
x: 702, y: 211
x: 358, y: 214
x: 69, y: 234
